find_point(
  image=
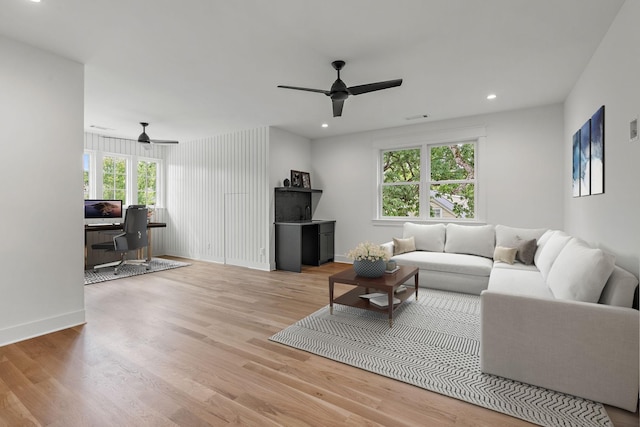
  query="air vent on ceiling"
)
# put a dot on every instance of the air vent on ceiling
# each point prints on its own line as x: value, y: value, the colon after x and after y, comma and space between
x: 419, y: 116
x: 100, y: 127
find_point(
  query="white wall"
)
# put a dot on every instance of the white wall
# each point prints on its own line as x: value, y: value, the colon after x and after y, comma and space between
x: 287, y: 151
x: 217, y: 199
x: 41, y: 222
x: 520, y: 172
x: 609, y: 220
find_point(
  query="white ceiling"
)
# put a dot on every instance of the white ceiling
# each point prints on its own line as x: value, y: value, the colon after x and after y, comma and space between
x: 198, y: 68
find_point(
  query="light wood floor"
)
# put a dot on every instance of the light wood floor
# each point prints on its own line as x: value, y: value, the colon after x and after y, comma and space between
x: 190, y: 347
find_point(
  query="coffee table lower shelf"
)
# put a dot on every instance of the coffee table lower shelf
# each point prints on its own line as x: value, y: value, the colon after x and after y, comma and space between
x: 387, y: 284
x: 352, y: 299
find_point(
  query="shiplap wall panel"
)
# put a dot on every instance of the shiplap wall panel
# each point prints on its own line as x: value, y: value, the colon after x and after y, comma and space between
x: 218, y: 199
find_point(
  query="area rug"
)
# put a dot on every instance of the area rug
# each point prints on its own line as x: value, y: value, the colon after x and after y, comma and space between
x: 104, y: 274
x: 434, y: 344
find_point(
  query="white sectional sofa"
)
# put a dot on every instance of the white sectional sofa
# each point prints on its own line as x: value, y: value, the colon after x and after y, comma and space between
x: 555, y: 312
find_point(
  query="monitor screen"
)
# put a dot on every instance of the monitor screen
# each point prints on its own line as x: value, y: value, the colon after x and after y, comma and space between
x: 102, y: 209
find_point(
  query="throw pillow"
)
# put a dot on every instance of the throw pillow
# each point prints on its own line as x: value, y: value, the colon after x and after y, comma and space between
x: 580, y: 272
x: 526, y: 250
x: 502, y: 254
x: 470, y: 239
x: 401, y: 246
x: 428, y: 237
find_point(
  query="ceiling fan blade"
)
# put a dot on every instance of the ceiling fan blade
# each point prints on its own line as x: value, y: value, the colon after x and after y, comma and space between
x: 163, y: 141
x: 337, y: 107
x: 371, y: 87
x: 326, y: 92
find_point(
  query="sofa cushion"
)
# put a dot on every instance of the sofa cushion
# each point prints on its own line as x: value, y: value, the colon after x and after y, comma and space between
x: 445, y: 262
x: 502, y: 254
x: 619, y: 289
x: 401, y: 246
x: 522, y: 280
x: 428, y: 237
x: 472, y: 240
x: 580, y: 272
x: 526, y: 250
x: 510, y: 236
x: 548, y: 251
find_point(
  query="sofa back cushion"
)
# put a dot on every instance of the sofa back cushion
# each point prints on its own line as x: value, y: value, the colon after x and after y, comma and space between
x: 580, y: 272
x: 427, y: 237
x: 510, y: 236
x: 472, y: 240
x: 549, y: 247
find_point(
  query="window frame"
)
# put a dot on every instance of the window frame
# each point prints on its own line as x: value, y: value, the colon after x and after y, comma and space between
x: 426, y: 139
x: 96, y: 190
x: 430, y: 182
x: 383, y: 184
x: 158, y: 163
x: 128, y: 177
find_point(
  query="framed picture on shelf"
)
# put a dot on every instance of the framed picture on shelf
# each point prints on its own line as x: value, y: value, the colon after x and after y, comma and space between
x: 306, y: 180
x: 296, y: 178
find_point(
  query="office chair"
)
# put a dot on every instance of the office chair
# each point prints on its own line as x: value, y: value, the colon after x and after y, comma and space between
x: 133, y: 238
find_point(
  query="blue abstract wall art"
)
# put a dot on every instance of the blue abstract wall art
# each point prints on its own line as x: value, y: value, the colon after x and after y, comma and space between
x: 588, y: 157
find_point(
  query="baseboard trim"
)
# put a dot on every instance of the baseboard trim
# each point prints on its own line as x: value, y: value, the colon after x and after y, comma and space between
x: 41, y: 327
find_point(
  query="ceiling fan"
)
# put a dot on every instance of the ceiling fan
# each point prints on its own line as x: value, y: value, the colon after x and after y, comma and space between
x: 144, y: 138
x: 339, y: 90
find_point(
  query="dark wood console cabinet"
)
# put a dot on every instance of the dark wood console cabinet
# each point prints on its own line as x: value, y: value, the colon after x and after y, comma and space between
x: 299, y: 239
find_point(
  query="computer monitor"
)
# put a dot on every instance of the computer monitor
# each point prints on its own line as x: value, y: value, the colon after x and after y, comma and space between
x: 102, y: 211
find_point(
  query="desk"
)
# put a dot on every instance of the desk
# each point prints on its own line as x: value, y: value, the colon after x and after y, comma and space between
x: 118, y: 227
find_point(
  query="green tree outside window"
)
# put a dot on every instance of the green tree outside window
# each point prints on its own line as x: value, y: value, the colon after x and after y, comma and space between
x: 147, y: 182
x: 114, y: 178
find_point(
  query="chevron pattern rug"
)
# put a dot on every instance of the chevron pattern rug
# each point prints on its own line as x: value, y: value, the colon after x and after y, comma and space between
x: 434, y: 344
x: 104, y: 274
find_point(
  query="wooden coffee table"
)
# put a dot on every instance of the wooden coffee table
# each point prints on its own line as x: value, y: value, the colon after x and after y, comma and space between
x: 388, y: 283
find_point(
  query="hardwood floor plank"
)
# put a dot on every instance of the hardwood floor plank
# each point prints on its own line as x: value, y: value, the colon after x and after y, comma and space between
x: 190, y: 347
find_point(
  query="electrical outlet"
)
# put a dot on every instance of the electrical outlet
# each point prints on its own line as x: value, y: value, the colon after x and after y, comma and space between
x: 261, y: 251
x: 633, y: 130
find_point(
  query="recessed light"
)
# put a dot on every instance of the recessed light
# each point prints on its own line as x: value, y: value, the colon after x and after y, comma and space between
x: 325, y: 125
x: 492, y: 96
x: 35, y: 1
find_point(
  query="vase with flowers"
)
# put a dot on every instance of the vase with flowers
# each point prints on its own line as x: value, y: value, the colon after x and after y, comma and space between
x: 369, y: 260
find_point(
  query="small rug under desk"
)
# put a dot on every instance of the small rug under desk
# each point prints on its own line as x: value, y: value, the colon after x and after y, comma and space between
x: 434, y: 344
x: 104, y: 274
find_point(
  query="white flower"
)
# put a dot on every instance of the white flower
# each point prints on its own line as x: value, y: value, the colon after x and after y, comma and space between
x: 368, y: 251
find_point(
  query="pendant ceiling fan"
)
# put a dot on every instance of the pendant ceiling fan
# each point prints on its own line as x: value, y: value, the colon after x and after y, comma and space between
x: 339, y: 91
x: 144, y: 138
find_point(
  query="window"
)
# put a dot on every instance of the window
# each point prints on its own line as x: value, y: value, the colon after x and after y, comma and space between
x: 452, y: 181
x: 401, y: 182
x: 147, y: 182
x: 114, y: 178
x: 446, y: 189
x: 86, y: 166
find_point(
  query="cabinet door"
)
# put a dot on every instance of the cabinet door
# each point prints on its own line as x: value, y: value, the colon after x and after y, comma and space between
x: 288, y: 248
x: 326, y: 247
